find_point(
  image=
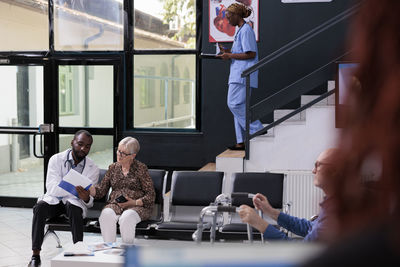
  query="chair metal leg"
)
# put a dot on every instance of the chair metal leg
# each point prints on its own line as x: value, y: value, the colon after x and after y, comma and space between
x: 48, y: 232
x: 250, y: 233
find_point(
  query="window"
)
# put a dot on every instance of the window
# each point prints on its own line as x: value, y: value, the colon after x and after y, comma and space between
x: 86, y: 95
x: 88, y: 25
x: 24, y: 26
x: 170, y: 112
x: 165, y: 24
x: 164, y: 38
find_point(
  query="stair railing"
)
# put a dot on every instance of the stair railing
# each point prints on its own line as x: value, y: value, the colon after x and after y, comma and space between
x: 294, y: 90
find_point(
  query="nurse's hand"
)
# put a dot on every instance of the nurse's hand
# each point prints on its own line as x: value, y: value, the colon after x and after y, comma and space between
x: 225, y: 56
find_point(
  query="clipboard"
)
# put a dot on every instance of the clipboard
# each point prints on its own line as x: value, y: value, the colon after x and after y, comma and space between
x: 72, y: 179
x: 209, y: 56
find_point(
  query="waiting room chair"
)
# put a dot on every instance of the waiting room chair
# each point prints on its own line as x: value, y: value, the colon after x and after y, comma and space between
x: 268, y: 184
x: 158, y: 177
x: 191, y: 191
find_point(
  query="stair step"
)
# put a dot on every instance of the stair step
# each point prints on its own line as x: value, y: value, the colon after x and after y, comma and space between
x: 332, y: 100
x: 305, y: 99
x: 209, y: 167
x: 232, y: 154
x: 279, y: 113
x: 329, y: 101
x: 331, y: 85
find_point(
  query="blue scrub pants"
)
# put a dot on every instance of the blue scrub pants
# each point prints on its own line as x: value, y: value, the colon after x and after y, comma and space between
x: 237, y: 105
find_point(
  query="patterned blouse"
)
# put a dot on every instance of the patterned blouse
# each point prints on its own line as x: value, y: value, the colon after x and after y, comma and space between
x: 137, y: 184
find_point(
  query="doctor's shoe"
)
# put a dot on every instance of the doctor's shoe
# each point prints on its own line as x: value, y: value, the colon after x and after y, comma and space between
x: 35, y: 262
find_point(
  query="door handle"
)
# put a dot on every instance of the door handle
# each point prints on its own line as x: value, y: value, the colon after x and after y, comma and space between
x: 43, y: 128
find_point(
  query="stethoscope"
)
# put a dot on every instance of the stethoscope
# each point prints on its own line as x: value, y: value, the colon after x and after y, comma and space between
x: 70, y: 163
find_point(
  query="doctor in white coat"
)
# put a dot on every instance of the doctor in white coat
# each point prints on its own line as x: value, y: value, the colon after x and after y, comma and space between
x: 57, y: 201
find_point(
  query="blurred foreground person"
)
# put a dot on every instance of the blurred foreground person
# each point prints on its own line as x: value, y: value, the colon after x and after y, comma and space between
x: 368, y: 210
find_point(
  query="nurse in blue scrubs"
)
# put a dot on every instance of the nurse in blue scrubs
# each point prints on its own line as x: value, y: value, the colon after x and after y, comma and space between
x: 243, y: 55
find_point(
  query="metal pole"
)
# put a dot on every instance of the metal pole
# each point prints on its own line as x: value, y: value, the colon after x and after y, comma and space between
x: 192, y: 122
x: 14, y: 148
x: 247, y: 135
x: 166, y: 85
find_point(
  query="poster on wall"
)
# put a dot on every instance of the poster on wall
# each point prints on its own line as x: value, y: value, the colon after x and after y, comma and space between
x: 219, y: 28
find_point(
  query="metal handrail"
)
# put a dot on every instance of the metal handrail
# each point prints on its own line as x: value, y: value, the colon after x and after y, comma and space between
x: 280, y: 98
x: 291, y: 114
x: 251, y: 116
x: 302, y: 39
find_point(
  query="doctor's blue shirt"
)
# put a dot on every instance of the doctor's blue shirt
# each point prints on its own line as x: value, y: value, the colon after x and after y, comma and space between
x: 245, y: 41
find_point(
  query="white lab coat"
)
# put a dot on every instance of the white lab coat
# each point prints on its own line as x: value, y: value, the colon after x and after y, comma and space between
x: 56, y: 170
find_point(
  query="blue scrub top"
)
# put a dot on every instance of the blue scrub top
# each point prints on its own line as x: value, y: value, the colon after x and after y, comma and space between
x: 245, y: 41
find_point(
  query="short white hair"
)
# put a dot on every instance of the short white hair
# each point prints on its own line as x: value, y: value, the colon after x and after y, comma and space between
x: 131, y: 144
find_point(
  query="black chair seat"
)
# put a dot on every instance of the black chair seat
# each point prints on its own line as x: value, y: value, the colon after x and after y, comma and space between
x: 236, y: 228
x: 180, y: 226
x: 146, y: 224
x: 58, y: 220
x: 93, y: 214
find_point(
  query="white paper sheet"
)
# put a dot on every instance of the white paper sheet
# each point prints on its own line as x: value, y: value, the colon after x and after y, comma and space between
x: 72, y: 179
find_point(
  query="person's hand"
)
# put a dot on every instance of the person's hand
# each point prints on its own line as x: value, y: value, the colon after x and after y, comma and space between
x: 250, y: 216
x: 261, y: 203
x: 221, y: 48
x: 225, y: 56
x: 128, y: 204
x: 82, y: 193
x: 92, y: 191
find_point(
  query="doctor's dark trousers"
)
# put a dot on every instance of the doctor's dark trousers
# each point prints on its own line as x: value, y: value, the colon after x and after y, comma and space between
x: 43, y: 211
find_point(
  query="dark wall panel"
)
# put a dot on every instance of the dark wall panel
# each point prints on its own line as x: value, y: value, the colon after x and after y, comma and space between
x: 279, y: 24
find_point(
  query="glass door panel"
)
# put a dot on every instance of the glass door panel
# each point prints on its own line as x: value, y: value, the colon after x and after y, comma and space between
x: 86, y: 101
x: 21, y: 107
x: 85, y: 95
x: 21, y: 173
x: 21, y: 101
x: 101, y: 151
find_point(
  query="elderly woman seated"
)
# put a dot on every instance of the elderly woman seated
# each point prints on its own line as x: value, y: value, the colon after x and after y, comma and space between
x: 132, y: 196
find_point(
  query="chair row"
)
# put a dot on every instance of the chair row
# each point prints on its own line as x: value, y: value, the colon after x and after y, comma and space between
x: 190, y: 192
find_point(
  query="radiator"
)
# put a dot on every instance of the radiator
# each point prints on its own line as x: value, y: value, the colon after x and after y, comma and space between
x: 299, y: 190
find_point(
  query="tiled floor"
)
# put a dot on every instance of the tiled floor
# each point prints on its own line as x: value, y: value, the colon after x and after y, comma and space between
x: 15, y: 239
x: 15, y: 246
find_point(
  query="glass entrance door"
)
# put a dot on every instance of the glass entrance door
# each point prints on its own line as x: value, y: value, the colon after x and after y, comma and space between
x: 86, y: 97
x: 21, y: 112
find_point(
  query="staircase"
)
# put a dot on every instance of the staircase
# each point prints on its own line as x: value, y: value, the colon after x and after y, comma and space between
x: 296, y: 143
x: 292, y: 145
x: 291, y: 148
x: 296, y: 137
